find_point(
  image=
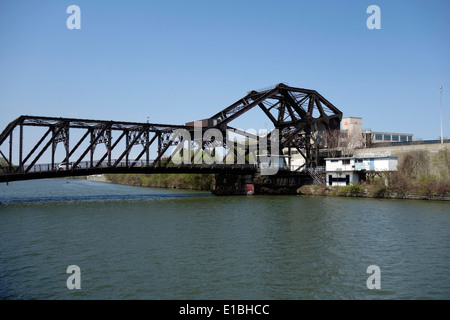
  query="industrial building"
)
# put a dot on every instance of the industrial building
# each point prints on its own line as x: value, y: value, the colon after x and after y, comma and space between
x: 352, y: 137
x: 351, y: 127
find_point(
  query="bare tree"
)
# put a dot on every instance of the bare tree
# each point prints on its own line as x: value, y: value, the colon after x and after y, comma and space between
x: 332, y: 142
x: 355, y: 140
x: 343, y: 142
x: 415, y: 164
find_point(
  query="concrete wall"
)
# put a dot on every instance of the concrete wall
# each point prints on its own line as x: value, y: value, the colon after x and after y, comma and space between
x: 396, y: 151
x: 401, y: 151
x: 352, y: 124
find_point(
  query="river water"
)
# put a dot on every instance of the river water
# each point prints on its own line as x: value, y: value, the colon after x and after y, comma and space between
x: 142, y: 243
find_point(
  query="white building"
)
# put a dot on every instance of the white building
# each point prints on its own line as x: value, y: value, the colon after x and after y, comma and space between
x: 345, y: 171
x: 296, y: 160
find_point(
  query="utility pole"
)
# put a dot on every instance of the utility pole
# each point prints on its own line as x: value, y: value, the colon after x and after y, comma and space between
x: 442, y: 132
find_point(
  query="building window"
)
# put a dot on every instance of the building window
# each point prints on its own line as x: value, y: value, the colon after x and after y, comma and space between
x: 387, y: 137
x: 394, y: 138
x: 334, y: 160
x: 359, y: 160
x: 378, y: 137
x: 346, y: 161
x: 403, y: 138
x: 409, y: 138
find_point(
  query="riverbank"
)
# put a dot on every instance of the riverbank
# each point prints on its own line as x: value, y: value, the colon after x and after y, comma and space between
x: 420, y: 176
x: 205, y: 181
x: 170, y: 181
x: 98, y: 178
x: 360, y: 191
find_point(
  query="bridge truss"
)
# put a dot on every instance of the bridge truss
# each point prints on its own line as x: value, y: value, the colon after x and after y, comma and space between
x: 299, y: 116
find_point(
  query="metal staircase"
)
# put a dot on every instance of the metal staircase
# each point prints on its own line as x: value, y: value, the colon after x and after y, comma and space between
x: 316, y: 174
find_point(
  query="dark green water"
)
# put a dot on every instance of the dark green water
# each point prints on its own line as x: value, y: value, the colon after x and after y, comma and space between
x: 139, y: 243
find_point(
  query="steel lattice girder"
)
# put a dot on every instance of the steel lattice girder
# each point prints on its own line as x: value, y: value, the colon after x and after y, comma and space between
x: 291, y: 110
x: 298, y: 115
x: 58, y: 130
x: 294, y: 103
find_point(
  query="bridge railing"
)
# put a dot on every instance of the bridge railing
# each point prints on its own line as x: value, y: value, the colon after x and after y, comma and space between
x: 84, y: 165
x: 406, y: 143
x: 87, y: 166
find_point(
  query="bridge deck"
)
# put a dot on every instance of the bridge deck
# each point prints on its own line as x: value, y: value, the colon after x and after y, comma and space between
x: 44, y: 171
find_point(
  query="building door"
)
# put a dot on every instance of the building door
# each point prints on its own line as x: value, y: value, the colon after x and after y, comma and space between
x: 330, y: 180
x: 347, y: 180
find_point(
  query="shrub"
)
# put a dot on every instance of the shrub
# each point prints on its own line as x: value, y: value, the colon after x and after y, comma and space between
x: 183, y: 181
x: 400, y: 183
x: 442, y: 188
x: 379, y: 192
x: 415, y: 164
x: 353, y: 190
x: 441, y: 163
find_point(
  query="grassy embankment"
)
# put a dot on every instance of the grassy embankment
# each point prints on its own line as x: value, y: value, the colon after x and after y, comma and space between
x: 181, y: 181
x: 419, y: 176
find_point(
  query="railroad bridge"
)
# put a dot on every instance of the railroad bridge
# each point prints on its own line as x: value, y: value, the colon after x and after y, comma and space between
x: 300, y: 118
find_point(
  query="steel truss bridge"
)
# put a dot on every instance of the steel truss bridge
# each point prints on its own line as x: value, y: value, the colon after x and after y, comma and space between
x: 299, y: 117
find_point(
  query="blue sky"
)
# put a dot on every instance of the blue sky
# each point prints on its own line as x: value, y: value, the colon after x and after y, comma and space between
x: 178, y: 61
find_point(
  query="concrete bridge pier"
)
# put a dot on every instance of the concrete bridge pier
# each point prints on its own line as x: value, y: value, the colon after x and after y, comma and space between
x: 283, y: 183
x: 232, y: 184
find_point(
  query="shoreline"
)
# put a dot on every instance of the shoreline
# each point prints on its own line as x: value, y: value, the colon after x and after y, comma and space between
x: 308, y: 190
x: 364, y: 192
x: 104, y: 179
